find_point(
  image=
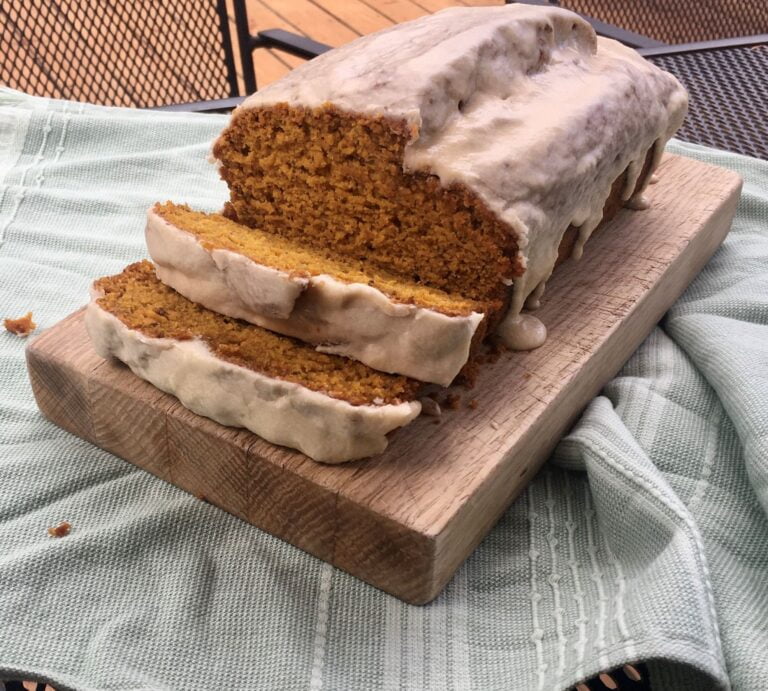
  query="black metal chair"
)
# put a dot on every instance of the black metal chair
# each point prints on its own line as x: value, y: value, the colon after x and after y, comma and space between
x: 142, y: 53
x: 678, y: 21
x: 726, y: 81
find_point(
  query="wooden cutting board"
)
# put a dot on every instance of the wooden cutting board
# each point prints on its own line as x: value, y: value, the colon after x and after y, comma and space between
x: 404, y: 521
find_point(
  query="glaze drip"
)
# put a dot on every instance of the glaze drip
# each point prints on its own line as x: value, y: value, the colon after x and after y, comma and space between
x: 638, y: 202
x: 533, y: 301
x: 522, y: 332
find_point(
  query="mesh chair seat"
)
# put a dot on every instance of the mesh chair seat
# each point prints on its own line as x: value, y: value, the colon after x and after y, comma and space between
x: 142, y: 53
x: 678, y: 21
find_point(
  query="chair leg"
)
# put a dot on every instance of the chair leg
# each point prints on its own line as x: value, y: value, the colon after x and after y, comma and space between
x: 300, y: 46
x: 244, y: 41
x: 291, y: 43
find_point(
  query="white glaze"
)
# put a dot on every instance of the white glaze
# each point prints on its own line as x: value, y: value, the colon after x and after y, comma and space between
x: 324, y: 428
x: 350, y: 319
x: 429, y: 406
x: 533, y: 301
x: 638, y: 202
x: 522, y: 331
x: 523, y: 105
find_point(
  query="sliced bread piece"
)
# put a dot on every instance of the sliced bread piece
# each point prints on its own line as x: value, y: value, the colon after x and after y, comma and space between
x: 331, y: 408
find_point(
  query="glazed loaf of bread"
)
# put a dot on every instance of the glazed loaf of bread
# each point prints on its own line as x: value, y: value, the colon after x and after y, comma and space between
x: 454, y: 151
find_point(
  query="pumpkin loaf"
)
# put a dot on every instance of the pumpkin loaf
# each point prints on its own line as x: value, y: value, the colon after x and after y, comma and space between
x: 331, y: 408
x: 454, y: 151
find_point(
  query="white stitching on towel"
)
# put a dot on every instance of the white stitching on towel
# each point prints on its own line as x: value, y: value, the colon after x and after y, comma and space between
x: 321, y: 629
x: 710, y: 452
x: 580, y: 646
x: 415, y: 648
x: 392, y: 644
x: 538, y: 634
x: 67, y: 117
x: 682, y: 514
x: 597, y: 578
x: 438, y: 642
x: 14, y: 124
x: 621, y: 589
x: 40, y: 176
x: 459, y: 630
x: 21, y: 192
x: 554, y: 578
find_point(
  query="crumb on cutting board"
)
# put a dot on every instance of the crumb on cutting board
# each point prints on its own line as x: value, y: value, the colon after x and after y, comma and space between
x: 452, y: 401
x: 472, y: 404
x: 61, y: 530
x: 23, y: 326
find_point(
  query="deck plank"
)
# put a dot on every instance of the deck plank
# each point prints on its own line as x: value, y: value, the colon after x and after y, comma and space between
x: 334, y: 22
x: 361, y: 18
x: 397, y: 11
x: 312, y: 21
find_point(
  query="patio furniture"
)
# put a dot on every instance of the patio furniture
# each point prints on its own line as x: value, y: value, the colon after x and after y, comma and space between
x: 678, y: 21
x: 728, y: 90
x: 141, y: 53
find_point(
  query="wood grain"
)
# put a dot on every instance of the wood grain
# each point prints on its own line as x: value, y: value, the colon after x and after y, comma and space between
x: 405, y: 520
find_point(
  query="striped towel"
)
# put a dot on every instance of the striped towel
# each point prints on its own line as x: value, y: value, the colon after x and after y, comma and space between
x: 644, y: 538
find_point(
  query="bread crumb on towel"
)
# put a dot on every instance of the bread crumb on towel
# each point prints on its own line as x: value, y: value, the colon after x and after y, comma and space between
x: 61, y: 530
x: 22, y: 327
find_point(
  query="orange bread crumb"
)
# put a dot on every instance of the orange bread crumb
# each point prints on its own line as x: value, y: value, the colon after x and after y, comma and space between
x: 452, y: 401
x: 23, y: 326
x: 61, y: 530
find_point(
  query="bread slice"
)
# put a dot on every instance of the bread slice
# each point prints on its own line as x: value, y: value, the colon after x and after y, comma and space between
x: 331, y: 408
x: 342, y: 306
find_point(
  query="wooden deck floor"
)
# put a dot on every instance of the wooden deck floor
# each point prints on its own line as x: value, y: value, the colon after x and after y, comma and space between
x: 334, y: 22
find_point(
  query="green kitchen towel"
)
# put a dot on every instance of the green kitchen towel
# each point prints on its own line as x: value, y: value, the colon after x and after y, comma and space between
x: 644, y: 538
